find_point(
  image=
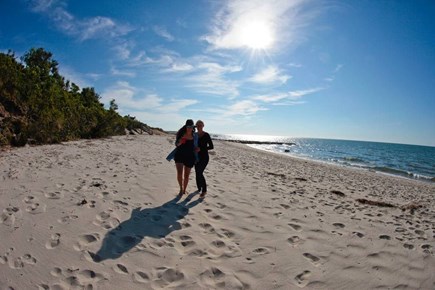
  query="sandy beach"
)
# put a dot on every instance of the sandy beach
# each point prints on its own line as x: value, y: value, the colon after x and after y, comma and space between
x: 103, y: 214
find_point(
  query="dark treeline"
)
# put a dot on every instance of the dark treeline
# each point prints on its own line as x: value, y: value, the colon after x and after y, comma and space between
x: 38, y: 106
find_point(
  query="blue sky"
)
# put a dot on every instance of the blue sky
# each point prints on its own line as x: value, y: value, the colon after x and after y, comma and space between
x: 360, y: 70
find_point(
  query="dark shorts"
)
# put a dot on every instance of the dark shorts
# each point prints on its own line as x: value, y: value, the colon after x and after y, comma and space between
x: 188, y: 162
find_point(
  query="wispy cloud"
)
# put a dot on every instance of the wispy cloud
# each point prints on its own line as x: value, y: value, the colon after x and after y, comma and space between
x: 338, y: 68
x: 271, y: 74
x: 244, y: 108
x: 163, y: 32
x: 73, y: 76
x: 282, y: 17
x: 131, y: 98
x: 212, y: 78
x: 125, y: 73
x: 301, y: 93
x: 83, y: 29
x: 176, y: 105
x: 288, y: 98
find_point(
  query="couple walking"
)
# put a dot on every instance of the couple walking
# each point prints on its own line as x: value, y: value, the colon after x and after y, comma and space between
x: 192, y: 150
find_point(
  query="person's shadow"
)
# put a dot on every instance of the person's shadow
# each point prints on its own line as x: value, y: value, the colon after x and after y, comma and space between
x: 155, y: 222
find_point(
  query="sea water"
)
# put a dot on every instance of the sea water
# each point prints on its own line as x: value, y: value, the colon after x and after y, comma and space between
x: 411, y: 161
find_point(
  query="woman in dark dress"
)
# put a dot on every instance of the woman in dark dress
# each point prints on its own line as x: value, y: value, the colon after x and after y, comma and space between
x: 205, y: 144
x: 184, y: 156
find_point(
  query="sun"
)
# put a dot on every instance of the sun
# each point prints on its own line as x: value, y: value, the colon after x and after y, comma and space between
x: 257, y: 35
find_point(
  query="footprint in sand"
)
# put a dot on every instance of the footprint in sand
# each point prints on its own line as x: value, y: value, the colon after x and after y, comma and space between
x: 207, y: 227
x: 227, y: 234
x: 67, y: 219
x: 106, y: 220
x: 54, y: 195
x: 74, y: 278
x: 408, y: 246
x: 141, y: 277
x: 301, y: 279
x: 197, y: 253
x: 385, y: 237
x: 427, y: 248
x: 358, y: 234
x: 212, y: 273
x: 8, y: 216
x: 36, y: 208
x: 186, y: 241
x: 28, y: 259
x: 16, y: 263
x: 56, y: 272
x: 121, y: 269
x: 19, y: 262
x: 338, y: 225
x: 86, y: 240
x: 3, y: 260
x: 261, y: 251
x: 313, y: 259
x: 169, y: 275
x: 218, y: 243
x: 29, y: 199
x: 53, y: 242
x: 294, y: 240
x: 295, y: 227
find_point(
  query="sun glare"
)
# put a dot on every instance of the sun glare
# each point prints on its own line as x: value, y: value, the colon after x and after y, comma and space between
x: 257, y: 35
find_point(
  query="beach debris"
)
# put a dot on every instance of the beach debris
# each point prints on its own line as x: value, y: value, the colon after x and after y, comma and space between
x: 339, y: 193
x: 257, y: 142
x: 375, y: 203
x: 412, y: 207
x: 282, y: 175
x: 83, y: 202
x: 96, y: 184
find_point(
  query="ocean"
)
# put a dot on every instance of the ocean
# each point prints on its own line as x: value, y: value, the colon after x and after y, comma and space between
x: 410, y: 161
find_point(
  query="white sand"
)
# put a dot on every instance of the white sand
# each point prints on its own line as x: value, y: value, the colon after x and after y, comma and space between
x: 268, y: 222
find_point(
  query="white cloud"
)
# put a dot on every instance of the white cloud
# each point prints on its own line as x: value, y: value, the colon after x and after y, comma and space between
x: 123, y: 51
x: 244, y: 108
x: 271, y: 98
x: 130, y: 98
x: 41, y: 5
x: 338, y: 68
x: 179, y: 67
x: 117, y: 72
x: 70, y: 74
x: 161, y: 31
x: 270, y: 74
x: 177, y: 105
x: 289, y: 98
x: 83, y: 29
x: 211, y: 78
x: 299, y: 94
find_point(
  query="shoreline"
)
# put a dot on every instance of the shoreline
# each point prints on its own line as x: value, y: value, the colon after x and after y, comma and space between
x: 103, y: 214
x: 423, y: 179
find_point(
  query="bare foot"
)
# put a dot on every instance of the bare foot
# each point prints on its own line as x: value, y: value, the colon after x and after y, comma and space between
x: 202, y: 195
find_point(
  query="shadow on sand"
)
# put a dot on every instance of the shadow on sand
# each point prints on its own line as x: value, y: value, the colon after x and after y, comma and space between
x: 155, y: 222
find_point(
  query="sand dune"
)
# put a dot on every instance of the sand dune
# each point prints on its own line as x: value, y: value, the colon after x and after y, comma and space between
x: 103, y: 214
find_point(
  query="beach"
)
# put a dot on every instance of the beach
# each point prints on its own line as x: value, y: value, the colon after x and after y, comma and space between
x: 104, y: 214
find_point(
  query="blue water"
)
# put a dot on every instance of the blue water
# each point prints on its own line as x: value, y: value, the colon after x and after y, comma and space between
x: 411, y: 161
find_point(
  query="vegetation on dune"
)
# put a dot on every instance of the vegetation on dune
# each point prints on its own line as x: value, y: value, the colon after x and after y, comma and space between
x: 38, y: 106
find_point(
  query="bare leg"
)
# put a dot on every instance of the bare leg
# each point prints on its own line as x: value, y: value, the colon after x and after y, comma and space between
x: 186, y: 177
x: 179, y: 167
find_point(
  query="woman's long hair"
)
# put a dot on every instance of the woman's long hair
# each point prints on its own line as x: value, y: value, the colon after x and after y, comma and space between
x: 180, y: 133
